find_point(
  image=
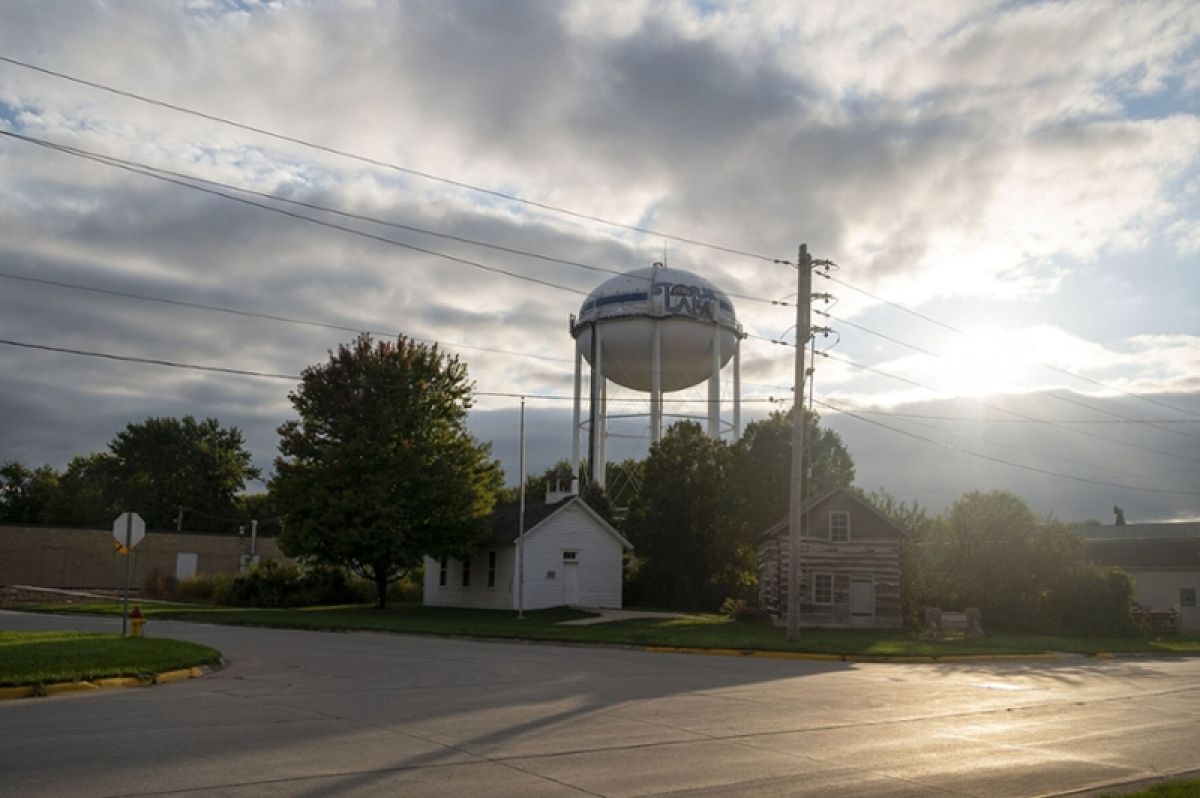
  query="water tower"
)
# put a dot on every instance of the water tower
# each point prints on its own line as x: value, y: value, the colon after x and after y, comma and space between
x: 655, y: 330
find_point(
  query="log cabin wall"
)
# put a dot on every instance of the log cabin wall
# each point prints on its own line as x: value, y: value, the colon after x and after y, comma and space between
x: 871, y: 553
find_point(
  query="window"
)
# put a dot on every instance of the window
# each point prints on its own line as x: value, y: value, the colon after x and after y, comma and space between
x: 839, y: 526
x: 1187, y: 597
x: 822, y: 588
x: 466, y: 572
x: 570, y: 556
x: 549, y: 574
x: 491, y: 569
x: 442, y: 571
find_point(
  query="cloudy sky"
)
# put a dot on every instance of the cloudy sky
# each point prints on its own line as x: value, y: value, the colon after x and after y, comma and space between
x: 1011, y: 192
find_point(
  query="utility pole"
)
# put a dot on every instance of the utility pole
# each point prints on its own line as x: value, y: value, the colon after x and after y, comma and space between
x: 521, y: 526
x: 796, y: 482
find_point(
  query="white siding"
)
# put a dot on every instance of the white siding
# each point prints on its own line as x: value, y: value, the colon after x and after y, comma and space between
x: 478, y: 594
x: 598, y: 561
x: 598, y: 558
x: 1159, y: 589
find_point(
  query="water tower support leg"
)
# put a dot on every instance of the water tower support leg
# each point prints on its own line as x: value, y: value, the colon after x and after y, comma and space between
x: 737, y: 388
x: 599, y: 412
x: 714, y: 386
x: 656, y: 383
x: 602, y: 447
x: 575, y: 431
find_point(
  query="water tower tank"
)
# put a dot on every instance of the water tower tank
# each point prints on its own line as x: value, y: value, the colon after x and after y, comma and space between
x: 682, y: 304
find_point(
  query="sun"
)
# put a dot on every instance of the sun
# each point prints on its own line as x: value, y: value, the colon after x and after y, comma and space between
x: 981, y: 367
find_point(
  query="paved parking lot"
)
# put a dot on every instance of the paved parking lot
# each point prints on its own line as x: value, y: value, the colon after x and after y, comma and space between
x: 318, y: 713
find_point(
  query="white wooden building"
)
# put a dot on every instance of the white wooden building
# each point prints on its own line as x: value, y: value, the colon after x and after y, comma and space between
x: 573, y: 557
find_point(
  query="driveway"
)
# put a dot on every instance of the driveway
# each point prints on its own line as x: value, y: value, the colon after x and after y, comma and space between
x: 321, y: 713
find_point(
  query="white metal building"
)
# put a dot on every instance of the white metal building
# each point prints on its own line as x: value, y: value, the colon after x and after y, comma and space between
x: 573, y: 557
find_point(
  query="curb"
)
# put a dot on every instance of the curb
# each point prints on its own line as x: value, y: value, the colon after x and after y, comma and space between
x: 854, y: 658
x: 108, y: 683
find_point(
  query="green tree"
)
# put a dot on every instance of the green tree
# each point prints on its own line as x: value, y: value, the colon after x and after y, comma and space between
x: 163, y: 464
x: 989, y: 550
x: 24, y: 494
x: 762, y: 467
x: 679, y: 523
x: 379, y: 469
x: 83, y: 495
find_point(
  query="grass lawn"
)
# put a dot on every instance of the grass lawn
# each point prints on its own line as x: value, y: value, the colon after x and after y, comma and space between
x: 699, y: 631
x: 46, y: 657
x: 1175, y: 789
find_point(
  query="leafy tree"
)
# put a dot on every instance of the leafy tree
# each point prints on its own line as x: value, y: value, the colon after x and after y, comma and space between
x: 24, y: 494
x: 257, y: 507
x: 762, y: 466
x: 536, y: 485
x: 679, y: 520
x: 83, y: 495
x: 990, y: 551
x: 161, y: 464
x: 379, y: 469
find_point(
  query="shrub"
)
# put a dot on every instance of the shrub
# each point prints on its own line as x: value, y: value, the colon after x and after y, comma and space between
x: 159, y: 584
x: 743, y: 612
x: 267, y: 584
x: 328, y: 584
x: 1090, y: 600
x: 208, y: 589
x: 406, y: 591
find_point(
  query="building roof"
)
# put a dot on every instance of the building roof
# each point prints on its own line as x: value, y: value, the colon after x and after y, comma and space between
x: 781, y: 526
x: 1162, y: 552
x: 1173, y: 529
x: 506, y: 519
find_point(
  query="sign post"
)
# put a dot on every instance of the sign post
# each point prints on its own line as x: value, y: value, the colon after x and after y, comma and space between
x: 128, y: 531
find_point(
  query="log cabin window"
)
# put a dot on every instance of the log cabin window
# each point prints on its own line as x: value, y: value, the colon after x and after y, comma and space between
x: 442, y: 571
x: 822, y: 588
x: 466, y: 573
x: 1187, y: 597
x: 491, y: 569
x: 839, y: 526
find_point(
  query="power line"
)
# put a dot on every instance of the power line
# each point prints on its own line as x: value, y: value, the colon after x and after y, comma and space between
x: 965, y: 334
x: 1002, y: 461
x: 989, y: 420
x: 1056, y: 397
x: 1016, y: 413
x: 282, y: 212
x: 267, y: 316
x: 1025, y: 449
x: 152, y: 361
x: 279, y: 376
x: 188, y: 181
x: 532, y: 203
x: 986, y: 405
x: 386, y: 164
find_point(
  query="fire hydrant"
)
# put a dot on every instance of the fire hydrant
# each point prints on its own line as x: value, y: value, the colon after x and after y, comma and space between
x: 137, y: 622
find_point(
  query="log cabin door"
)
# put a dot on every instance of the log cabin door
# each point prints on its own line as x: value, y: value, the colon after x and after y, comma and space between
x: 862, y: 602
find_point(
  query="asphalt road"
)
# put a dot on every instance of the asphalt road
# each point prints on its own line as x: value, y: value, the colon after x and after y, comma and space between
x: 319, y: 713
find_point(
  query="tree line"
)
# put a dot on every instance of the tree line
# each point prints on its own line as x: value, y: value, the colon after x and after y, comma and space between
x: 377, y: 469
x: 160, y: 467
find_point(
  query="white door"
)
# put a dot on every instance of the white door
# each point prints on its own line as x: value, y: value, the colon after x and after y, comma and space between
x: 185, y: 565
x: 862, y: 601
x: 570, y: 583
